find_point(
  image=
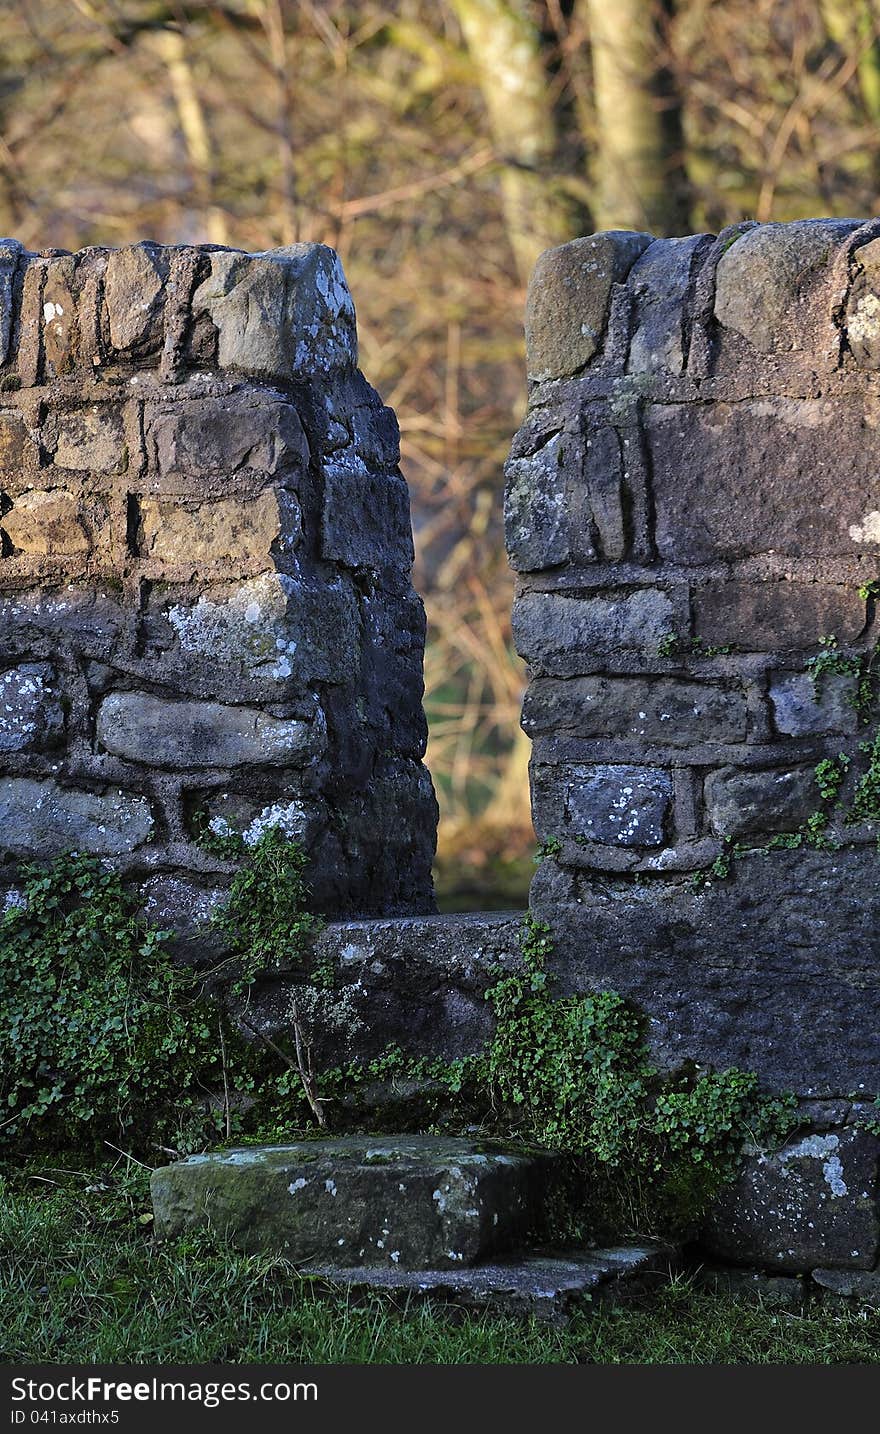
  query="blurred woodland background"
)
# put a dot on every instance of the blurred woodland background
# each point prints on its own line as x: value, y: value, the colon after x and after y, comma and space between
x: 439, y: 145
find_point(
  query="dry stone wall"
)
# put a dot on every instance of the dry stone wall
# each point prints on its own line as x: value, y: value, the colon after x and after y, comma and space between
x: 693, y: 511
x: 206, y: 617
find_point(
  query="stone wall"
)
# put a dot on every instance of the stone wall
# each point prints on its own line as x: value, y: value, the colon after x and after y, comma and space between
x: 206, y: 617
x: 693, y: 511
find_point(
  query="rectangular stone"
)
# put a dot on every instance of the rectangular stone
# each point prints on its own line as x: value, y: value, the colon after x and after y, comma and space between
x: 779, y: 800
x: 163, y: 732
x: 18, y: 451
x: 42, y: 818
x: 87, y: 440
x: 663, y: 710
x: 617, y: 805
x: 206, y: 439
x: 536, y: 507
x: 30, y: 711
x: 365, y: 522
x: 780, y: 475
x: 806, y: 706
x: 777, y: 615
x: 567, y: 636
x: 54, y: 524
x: 229, y: 530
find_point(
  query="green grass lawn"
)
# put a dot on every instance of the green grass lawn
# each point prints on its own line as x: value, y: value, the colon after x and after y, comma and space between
x: 82, y: 1280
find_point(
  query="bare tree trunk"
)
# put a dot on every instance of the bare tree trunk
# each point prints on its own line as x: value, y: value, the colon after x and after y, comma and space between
x: 171, y: 46
x: 506, y: 49
x: 641, y: 182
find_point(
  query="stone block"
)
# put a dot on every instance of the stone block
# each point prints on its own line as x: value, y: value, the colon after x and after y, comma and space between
x: 87, y: 440
x: 18, y: 451
x: 232, y: 531
x: 805, y: 707
x: 10, y: 257
x: 814, y: 1202
x: 284, y: 314
x: 568, y: 636
x: 862, y: 1287
x: 739, y: 802
x: 30, y: 712
x: 777, y: 615
x: 659, y: 282
x: 536, y: 508
x: 622, y: 806
x: 652, y: 710
x: 163, y: 732
x: 568, y: 299
x: 764, y: 280
x: 42, y: 818
x: 415, y: 1202
x: 134, y: 293
x: 52, y: 524
x: 213, y: 439
x: 733, y: 480
x: 274, y: 627
x: 365, y: 521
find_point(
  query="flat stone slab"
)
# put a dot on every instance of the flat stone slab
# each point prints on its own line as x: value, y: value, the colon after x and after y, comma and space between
x: 404, y: 1202
x: 550, y: 1287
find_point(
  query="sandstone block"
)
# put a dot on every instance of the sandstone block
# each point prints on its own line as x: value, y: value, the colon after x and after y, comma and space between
x: 650, y: 710
x: 163, y: 732
x: 17, y: 449
x: 739, y: 802
x: 659, y: 283
x: 568, y: 299
x: 49, y: 524
x: 566, y: 636
x: 30, y: 712
x: 811, y: 1203
x: 763, y: 616
x: 208, y: 439
x: 804, y: 707
x: 41, y: 818
x: 87, y: 440
x: 228, y: 530
x: 134, y: 292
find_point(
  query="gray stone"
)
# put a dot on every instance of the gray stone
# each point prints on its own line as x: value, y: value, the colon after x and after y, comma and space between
x: 547, y: 1287
x: 417, y: 1202
x: 814, y: 1202
x: 777, y: 615
x: 860, y: 1286
x: 30, y: 712
x: 536, y: 518
x: 134, y: 292
x: 568, y: 636
x: 568, y: 299
x: 773, y: 1291
x: 663, y: 710
x: 87, y: 440
x: 606, y: 498
x: 778, y: 800
x: 242, y: 433
x: 10, y: 254
x: 862, y: 324
x: 366, y: 522
x: 732, y: 480
x: 763, y: 281
x: 624, y: 806
x: 283, y: 314
x: 164, y: 732
x: 804, y: 707
x: 41, y: 818
x: 659, y: 283
x: 274, y: 627
x: 775, y: 970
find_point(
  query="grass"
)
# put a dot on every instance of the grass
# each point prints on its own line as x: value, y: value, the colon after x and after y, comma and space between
x: 82, y: 1279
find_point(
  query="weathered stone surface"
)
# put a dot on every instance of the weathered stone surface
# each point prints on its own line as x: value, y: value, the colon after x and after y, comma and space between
x: 10, y: 255
x: 771, y: 1291
x: 283, y: 314
x: 764, y: 279
x: 777, y: 616
x: 860, y: 1286
x: 548, y: 1287
x: 779, y: 800
x: 814, y: 1202
x: 568, y: 298
x: 567, y: 636
x: 536, y: 517
x: 164, y: 732
x: 50, y: 524
x: 623, y: 806
x: 763, y: 476
x: 41, y: 818
x: 659, y: 282
x: 776, y: 970
x: 663, y: 710
x: 229, y: 530
x: 863, y: 306
x: 30, y: 712
x: 17, y: 449
x: 87, y: 440
x: 206, y: 439
x: 417, y: 1202
x: 803, y: 706
x: 274, y: 627
x: 366, y: 520
x: 134, y: 292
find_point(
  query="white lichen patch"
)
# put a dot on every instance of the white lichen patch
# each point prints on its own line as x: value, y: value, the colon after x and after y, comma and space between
x: 299, y: 1184
x: 868, y: 531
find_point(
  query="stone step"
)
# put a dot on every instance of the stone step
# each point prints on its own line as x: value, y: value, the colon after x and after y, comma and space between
x: 405, y: 1202
x: 548, y: 1286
